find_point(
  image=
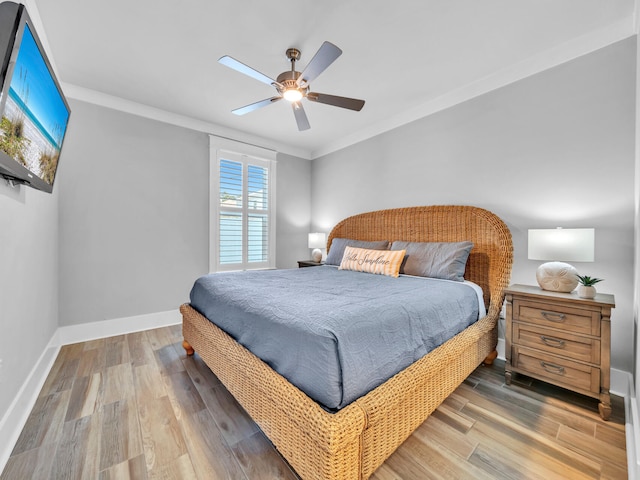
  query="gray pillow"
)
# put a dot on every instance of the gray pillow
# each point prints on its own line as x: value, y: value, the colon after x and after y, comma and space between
x: 445, y: 260
x: 334, y: 257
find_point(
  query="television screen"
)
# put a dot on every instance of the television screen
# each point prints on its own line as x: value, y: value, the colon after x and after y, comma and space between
x: 35, y: 113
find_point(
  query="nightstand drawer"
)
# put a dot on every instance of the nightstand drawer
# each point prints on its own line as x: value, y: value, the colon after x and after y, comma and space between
x: 558, y: 342
x: 558, y: 370
x: 557, y: 316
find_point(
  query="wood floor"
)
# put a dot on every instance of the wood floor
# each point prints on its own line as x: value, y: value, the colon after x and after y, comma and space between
x: 135, y: 407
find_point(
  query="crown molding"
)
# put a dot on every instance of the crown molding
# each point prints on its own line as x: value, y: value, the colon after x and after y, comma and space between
x: 538, y: 63
x: 121, y: 104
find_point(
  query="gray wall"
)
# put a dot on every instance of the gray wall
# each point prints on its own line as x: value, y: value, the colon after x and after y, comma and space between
x: 134, y: 208
x: 293, y: 208
x: 636, y: 333
x: 28, y: 283
x: 554, y: 149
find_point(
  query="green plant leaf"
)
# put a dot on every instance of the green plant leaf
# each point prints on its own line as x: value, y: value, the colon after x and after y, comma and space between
x: 588, y: 281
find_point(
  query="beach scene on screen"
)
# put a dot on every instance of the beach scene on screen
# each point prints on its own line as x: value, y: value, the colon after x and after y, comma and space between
x: 35, y: 116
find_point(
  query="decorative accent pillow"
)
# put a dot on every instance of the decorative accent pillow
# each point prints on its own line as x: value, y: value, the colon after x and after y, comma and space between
x: 336, y: 251
x: 380, y: 262
x: 445, y: 260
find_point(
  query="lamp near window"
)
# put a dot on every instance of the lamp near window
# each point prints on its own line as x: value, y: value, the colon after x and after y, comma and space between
x: 560, y: 245
x: 317, y: 241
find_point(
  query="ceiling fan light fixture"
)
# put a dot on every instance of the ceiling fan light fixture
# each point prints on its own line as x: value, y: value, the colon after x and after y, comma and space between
x: 292, y: 94
x: 294, y: 86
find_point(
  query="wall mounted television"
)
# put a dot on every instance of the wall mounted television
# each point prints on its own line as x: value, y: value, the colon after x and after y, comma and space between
x: 34, y: 111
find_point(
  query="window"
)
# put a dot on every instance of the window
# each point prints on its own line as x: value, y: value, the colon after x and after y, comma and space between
x: 242, y: 206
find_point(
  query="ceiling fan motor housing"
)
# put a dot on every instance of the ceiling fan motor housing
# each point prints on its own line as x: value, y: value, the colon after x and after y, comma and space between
x: 288, y: 81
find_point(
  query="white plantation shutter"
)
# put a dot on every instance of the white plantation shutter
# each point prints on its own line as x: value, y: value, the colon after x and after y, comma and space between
x: 230, y: 214
x: 230, y: 250
x: 242, y: 227
x: 258, y: 213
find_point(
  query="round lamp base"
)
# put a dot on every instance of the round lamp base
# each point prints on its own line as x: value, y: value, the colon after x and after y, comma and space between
x: 557, y: 277
x: 316, y: 255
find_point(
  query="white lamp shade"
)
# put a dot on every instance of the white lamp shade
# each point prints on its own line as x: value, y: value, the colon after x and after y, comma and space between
x: 317, y: 240
x: 562, y: 244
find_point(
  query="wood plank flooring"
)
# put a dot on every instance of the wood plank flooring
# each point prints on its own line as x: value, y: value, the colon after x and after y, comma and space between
x: 135, y: 407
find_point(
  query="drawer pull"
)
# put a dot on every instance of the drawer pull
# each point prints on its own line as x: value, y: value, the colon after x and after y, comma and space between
x: 551, y: 368
x: 552, y: 342
x: 553, y: 316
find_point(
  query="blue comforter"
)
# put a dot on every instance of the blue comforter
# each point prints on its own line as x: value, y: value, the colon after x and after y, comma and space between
x: 335, y: 334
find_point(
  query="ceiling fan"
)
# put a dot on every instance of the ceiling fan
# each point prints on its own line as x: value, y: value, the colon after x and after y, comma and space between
x: 294, y: 86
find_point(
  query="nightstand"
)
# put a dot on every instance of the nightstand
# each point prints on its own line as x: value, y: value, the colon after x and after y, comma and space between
x: 561, y: 339
x: 308, y: 263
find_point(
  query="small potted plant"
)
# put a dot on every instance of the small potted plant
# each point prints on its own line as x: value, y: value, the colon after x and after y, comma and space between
x: 586, y: 287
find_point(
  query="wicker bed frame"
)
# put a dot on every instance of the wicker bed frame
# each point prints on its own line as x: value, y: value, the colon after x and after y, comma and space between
x: 352, y: 443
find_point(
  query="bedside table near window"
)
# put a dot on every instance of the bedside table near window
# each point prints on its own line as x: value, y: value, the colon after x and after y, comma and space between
x: 309, y: 263
x: 561, y: 339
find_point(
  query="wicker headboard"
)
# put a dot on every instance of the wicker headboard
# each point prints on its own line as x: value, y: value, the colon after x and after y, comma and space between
x: 490, y: 261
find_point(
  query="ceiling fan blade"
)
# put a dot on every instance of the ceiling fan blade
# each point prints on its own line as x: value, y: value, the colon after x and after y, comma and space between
x: 344, y: 102
x: 301, y: 117
x: 247, y: 70
x: 255, y: 106
x: 325, y: 56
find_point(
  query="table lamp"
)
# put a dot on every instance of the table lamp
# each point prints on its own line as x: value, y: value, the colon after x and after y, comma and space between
x: 317, y: 241
x: 560, y: 245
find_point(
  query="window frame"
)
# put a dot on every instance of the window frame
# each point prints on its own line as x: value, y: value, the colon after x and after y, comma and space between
x: 225, y: 149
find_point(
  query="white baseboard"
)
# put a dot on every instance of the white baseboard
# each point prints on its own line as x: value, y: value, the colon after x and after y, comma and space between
x: 500, y: 349
x: 621, y: 382
x: 118, y: 326
x: 632, y: 431
x: 13, y: 421
x: 16, y: 416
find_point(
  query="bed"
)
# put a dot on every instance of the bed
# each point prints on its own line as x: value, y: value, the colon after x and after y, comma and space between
x: 353, y: 441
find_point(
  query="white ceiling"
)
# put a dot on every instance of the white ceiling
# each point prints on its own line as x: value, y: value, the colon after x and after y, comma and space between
x: 402, y: 57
